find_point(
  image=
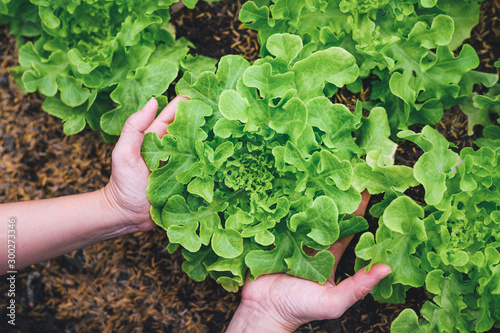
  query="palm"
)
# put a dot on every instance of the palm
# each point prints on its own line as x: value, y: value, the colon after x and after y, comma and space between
x: 130, y: 174
x: 280, y: 292
x: 130, y: 179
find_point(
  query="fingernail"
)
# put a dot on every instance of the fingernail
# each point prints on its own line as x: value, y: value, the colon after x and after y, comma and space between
x: 149, y: 104
x: 384, y: 273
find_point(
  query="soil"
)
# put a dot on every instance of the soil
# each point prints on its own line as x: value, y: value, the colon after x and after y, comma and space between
x: 131, y: 283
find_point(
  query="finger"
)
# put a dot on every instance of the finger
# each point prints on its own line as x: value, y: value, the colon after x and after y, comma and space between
x: 355, y: 288
x: 166, y: 116
x: 365, y: 197
x: 133, y: 131
x: 338, y: 249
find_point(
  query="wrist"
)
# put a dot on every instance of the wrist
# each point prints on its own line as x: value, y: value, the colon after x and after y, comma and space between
x: 121, y: 220
x: 129, y: 203
x: 248, y: 319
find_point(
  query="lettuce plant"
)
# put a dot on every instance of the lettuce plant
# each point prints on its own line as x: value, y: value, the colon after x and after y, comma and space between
x: 96, y: 61
x: 480, y: 108
x: 404, y: 48
x: 450, y: 246
x: 259, y: 165
x: 22, y: 17
x: 490, y: 138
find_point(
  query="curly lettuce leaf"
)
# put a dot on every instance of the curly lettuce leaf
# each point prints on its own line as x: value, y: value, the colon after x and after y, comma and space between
x: 480, y: 108
x: 434, y: 167
x: 491, y: 138
x: 401, y: 230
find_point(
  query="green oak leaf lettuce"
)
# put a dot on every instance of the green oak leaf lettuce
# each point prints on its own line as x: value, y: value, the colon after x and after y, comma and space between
x: 96, y: 62
x: 480, y: 108
x: 22, y: 16
x: 449, y: 246
x: 256, y: 168
x: 491, y: 138
x: 404, y: 48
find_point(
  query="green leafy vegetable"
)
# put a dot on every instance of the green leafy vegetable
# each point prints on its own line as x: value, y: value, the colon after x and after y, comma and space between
x: 259, y: 167
x: 480, y: 108
x: 96, y: 62
x: 407, y: 45
x: 491, y: 138
x: 450, y: 246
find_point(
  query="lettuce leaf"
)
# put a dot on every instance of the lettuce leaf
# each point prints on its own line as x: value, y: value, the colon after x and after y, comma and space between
x: 480, y: 108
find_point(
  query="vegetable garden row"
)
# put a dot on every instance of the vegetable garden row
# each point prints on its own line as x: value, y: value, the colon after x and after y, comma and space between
x: 260, y: 162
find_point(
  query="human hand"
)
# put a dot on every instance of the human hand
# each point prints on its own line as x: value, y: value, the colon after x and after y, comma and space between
x: 126, y: 190
x: 281, y: 303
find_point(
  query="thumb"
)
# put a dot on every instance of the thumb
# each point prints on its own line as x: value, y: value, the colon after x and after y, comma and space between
x: 133, y: 131
x: 351, y: 290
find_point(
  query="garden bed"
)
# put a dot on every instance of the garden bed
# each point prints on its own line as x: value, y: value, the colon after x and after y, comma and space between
x: 131, y: 283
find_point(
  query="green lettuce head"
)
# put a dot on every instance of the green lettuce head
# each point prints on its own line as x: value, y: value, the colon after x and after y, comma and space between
x: 260, y: 165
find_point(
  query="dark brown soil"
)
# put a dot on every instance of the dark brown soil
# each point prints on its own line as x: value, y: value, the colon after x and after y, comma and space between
x: 131, y: 283
x: 216, y: 31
